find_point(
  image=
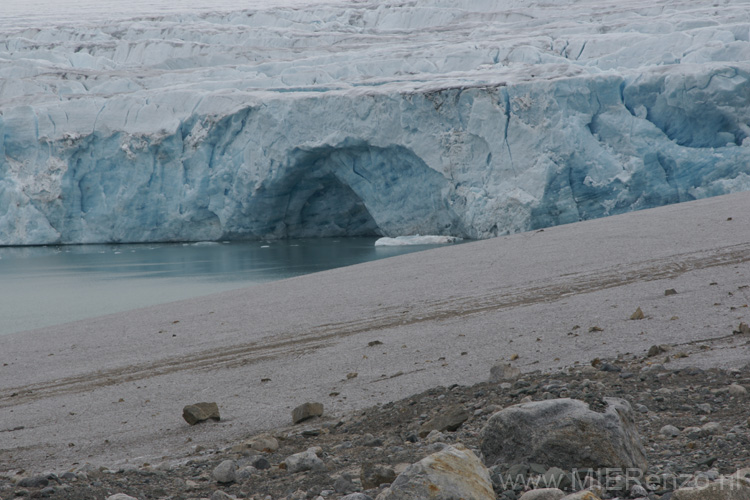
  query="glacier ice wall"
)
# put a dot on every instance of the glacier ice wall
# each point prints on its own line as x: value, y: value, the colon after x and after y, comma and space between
x: 462, y: 118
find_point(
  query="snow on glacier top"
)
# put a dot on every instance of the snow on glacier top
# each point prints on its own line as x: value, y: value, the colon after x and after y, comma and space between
x: 73, y: 48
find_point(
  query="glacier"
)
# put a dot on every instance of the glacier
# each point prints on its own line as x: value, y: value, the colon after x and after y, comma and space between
x: 464, y: 118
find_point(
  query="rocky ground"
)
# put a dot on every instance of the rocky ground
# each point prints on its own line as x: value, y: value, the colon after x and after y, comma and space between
x: 693, y: 424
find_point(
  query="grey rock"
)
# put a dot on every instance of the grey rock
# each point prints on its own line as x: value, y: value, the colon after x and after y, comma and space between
x: 306, y: 460
x: 504, y: 372
x: 711, y: 428
x: 120, y: 496
x: 220, y: 495
x: 452, y: 473
x: 737, y: 390
x: 200, y: 412
x: 543, y: 494
x: 261, y: 463
x: 245, y: 473
x: 555, y: 478
x: 565, y: 433
x: 34, y: 482
x: 373, y: 475
x: 725, y: 488
x: 669, y: 431
x: 670, y: 291
x: 225, y: 472
x: 448, y: 420
x: 357, y: 496
x: 264, y: 442
x: 344, y: 484
x: 306, y: 411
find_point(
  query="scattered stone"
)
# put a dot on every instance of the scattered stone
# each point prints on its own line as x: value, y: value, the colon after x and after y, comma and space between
x: 200, y: 412
x: 638, y: 314
x: 669, y: 431
x: 373, y: 475
x: 121, y: 496
x: 220, y: 495
x: 264, y: 443
x: 450, y: 421
x: 306, y: 460
x: 34, y: 482
x: 564, y: 433
x: 454, y: 472
x: 670, y: 291
x: 356, y: 496
x: 225, y: 472
x: 581, y: 495
x: 504, y: 372
x: 306, y: 411
x: 743, y: 329
x: 711, y: 429
x: 725, y: 488
x: 543, y: 494
x: 373, y: 343
x: 261, y: 463
x: 554, y: 477
x: 737, y: 390
x: 655, y: 350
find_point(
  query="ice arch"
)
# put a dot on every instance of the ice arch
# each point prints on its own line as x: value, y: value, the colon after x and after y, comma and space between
x: 358, y: 189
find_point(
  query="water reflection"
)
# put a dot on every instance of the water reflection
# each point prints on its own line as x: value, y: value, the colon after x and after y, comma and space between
x: 42, y: 286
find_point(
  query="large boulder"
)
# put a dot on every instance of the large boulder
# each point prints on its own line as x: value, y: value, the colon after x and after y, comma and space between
x: 450, y: 474
x: 565, y: 433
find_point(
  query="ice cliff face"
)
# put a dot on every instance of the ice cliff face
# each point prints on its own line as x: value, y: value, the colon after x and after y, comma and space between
x: 466, y: 118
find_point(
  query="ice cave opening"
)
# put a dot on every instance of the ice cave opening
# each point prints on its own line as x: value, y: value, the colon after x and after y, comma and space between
x: 357, y: 189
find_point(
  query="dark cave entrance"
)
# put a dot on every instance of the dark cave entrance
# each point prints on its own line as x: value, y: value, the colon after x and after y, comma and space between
x: 325, y: 207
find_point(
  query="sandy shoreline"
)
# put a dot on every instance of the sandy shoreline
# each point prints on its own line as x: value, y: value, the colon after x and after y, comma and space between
x: 111, y: 389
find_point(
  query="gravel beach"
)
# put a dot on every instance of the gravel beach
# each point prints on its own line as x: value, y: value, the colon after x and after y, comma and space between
x: 106, y: 394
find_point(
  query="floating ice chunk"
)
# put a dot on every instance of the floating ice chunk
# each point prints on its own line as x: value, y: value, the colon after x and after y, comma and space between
x: 415, y: 240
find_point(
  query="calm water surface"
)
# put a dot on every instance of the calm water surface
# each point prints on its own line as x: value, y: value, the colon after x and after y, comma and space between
x: 43, y: 286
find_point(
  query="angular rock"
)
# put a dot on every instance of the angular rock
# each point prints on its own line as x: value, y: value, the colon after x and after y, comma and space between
x: 306, y: 460
x: 264, y: 442
x: 306, y: 411
x: 670, y: 291
x: 452, y: 473
x: 357, y: 496
x: 449, y: 420
x: 543, y: 494
x: 373, y: 475
x: 638, y: 314
x: 504, y: 372
x: 120, y: 496
x: 200, y: 412
x: 225, y: 472
x: 565, y: 433
x: 725, y: 488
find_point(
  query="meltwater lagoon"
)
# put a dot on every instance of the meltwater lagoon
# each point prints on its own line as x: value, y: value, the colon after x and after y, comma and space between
x: 44, y: 286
